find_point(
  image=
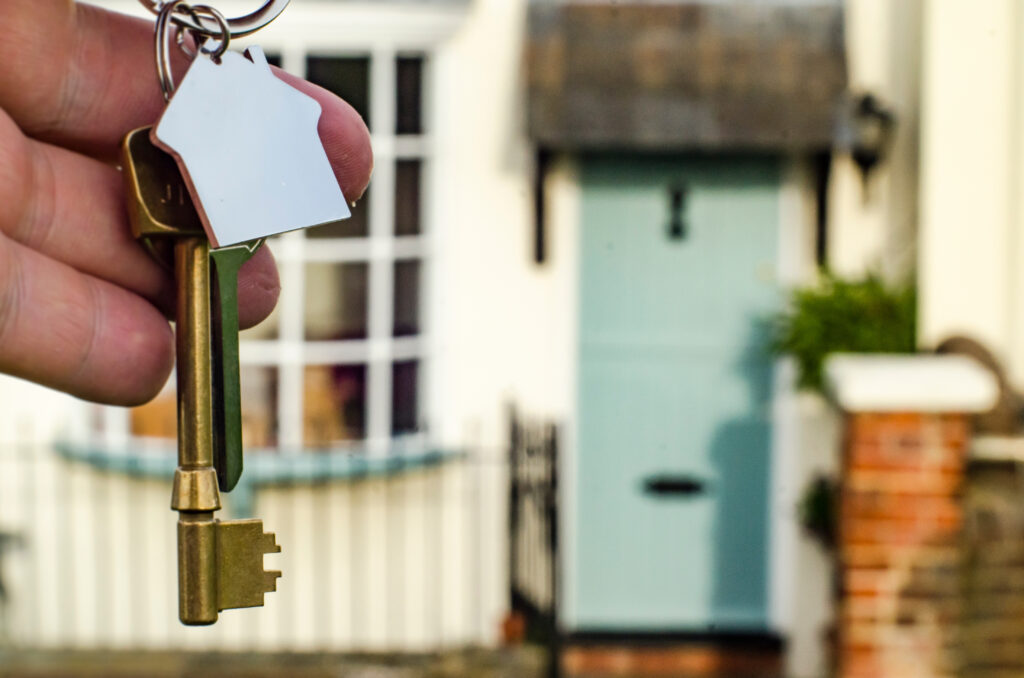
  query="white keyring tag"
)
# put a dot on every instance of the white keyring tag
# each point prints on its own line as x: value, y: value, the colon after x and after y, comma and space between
x: 247, y: 144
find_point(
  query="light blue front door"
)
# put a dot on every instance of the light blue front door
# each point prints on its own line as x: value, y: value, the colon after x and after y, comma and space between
x: 677, y: 279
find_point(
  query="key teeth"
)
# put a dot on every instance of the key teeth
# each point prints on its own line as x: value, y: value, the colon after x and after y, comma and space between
x: 269, y: 544
x: 270, y: 580
x: 270, y: 577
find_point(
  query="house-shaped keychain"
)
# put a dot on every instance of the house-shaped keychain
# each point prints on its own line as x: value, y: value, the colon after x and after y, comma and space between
x: 247, y: 144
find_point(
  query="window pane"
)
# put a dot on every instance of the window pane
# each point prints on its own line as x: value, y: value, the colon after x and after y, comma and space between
x: 404, y: 387
x: 336, y: 301
x: 407, y: 197
x: 334, y: 404
x: 409, y: 99
x: 407, y: 298
x: 259, y: 406
x: 356, y: 226
x: 348, y: 77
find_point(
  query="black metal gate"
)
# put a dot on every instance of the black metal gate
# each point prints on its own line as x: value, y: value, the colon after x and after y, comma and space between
x: 533, y: 532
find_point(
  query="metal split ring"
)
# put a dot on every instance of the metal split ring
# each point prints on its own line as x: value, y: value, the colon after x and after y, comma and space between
x: 207, y: 25
x: 201, y: 38
x: 166, y: 15
x: 222, y: 37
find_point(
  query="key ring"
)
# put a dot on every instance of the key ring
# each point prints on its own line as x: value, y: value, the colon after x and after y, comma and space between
x: 239, y: 26
x: 170, y: 11
x: 222, y: 36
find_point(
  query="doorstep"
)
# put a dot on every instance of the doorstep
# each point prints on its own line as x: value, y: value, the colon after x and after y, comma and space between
x: 678, y: 655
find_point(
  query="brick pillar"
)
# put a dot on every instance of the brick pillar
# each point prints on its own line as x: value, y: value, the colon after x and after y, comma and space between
x: 900, y: 516
x: 899, y: 544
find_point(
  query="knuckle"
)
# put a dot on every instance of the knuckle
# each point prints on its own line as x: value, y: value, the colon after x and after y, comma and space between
x: 37, y: 220
x: 26, y: 176
x: 16, y: 175
x: 27, y: 84
x: 11, y: 291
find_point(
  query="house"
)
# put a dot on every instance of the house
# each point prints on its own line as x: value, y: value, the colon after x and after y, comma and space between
x: 564, y: 217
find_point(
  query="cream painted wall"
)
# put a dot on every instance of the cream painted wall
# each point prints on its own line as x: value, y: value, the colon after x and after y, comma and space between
x: 873, y: 228
x: 971, y: 161
x: 802, y: 446
x: 500, y: 319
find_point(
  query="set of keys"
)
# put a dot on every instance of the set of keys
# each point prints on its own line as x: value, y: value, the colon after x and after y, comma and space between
x: 189, y: 204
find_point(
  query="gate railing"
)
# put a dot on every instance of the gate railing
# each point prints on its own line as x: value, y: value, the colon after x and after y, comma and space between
x: 533, y: 531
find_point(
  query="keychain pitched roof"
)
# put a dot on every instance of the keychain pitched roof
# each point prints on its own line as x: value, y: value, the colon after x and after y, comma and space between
x: 247, y: 145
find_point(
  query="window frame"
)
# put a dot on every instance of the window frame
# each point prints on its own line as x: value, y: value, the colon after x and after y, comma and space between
x: 291, y: 353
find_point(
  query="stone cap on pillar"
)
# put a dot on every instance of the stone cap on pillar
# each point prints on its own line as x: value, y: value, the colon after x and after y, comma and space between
x: 909, y: 383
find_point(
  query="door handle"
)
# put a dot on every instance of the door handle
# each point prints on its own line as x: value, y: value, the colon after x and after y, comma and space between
x: 677, y: 226
x: 674, y: 485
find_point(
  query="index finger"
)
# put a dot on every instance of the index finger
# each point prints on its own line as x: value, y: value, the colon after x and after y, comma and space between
x: 82, y: 77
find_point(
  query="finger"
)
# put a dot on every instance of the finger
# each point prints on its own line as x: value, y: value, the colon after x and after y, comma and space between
x: 94, y: 84
x: 79, y: 334
x: 71, y: 208
x: 258, y: 288
x: 98, y: 81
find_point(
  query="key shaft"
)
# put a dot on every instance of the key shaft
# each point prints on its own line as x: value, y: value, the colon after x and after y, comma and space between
x: 195, y: 491
x: 195, y: 419
x: 195, y: 480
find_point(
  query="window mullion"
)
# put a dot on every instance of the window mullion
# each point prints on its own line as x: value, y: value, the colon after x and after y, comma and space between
x: 293, y: 58
x: 382, y: 111
x: 290, y: 401
x: 117, y: 427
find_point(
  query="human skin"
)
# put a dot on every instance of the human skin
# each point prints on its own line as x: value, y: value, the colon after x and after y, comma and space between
x: 83, y: 308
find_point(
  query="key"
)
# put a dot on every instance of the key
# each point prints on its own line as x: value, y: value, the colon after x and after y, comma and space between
x: 227, y: 406
x: 220, y: 563
x: 150, y: 223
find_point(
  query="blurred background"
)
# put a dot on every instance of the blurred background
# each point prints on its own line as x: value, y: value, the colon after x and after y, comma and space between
x: 556, y: 400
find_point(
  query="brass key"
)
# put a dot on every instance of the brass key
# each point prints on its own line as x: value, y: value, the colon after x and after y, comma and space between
x: 220, y: 563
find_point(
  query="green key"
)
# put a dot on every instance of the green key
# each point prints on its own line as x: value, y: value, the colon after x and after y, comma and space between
x: 227, y: 406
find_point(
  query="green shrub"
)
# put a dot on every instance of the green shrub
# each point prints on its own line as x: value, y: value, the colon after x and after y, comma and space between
x: 848, y: 316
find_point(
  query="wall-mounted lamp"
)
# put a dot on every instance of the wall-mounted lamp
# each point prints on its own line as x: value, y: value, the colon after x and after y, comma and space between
x: 866, y: 132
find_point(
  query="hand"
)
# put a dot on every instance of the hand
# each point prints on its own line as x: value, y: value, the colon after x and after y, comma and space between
x: 82, y: 307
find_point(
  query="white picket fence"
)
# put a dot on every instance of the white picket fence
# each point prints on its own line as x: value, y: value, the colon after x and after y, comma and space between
x: 409, y: 561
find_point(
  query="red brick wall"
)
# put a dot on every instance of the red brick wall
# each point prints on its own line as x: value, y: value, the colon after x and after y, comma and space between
x: 899, y: 533
x: 691, y: 661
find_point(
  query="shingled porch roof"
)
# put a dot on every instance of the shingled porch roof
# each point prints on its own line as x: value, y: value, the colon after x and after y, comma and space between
x: 713, y: 75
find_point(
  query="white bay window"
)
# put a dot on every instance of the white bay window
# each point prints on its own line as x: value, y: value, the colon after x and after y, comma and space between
x: 341, y: 364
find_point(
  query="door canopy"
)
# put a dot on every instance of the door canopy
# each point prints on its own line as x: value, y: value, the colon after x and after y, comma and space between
x: 722, y: 75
